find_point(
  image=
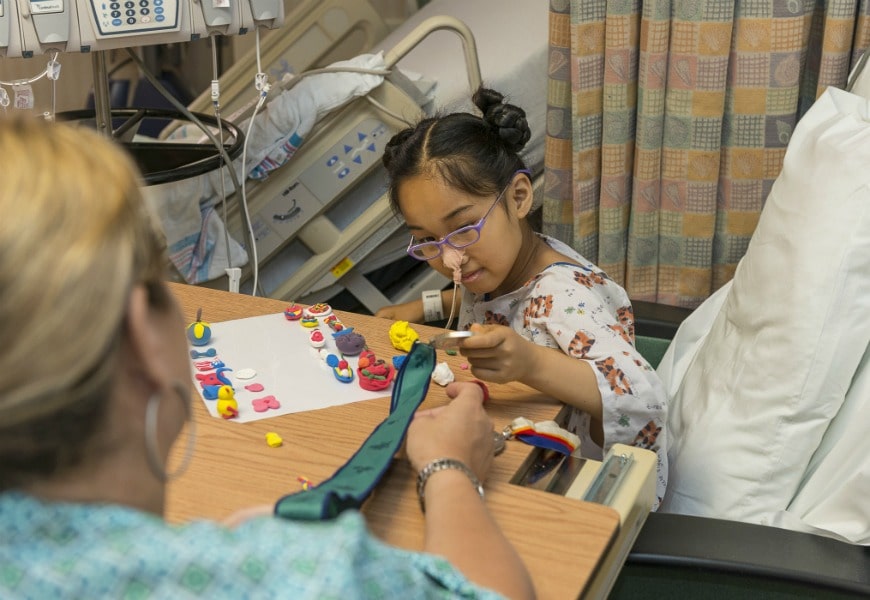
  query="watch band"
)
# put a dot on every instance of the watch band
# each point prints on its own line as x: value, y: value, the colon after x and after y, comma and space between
x: 442, y: 464
x: 353, y: 482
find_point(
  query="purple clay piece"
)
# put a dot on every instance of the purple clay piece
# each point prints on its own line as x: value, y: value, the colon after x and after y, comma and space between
x: 350, y: 344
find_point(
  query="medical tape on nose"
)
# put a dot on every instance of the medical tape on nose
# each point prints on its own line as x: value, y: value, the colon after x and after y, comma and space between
x: 452, y: 259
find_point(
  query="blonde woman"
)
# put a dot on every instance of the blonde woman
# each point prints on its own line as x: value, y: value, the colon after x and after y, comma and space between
x: 94, y: 392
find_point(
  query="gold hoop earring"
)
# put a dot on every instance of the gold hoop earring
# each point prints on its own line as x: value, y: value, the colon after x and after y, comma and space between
x: 151, y: 435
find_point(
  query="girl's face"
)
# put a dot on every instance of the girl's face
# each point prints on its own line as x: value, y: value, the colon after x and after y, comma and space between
x: 432, y: 210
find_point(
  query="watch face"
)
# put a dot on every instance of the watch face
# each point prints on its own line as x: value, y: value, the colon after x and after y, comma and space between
x: 498, y: 443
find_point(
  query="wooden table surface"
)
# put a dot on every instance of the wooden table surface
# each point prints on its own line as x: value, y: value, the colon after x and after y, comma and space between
x: 561, y: 540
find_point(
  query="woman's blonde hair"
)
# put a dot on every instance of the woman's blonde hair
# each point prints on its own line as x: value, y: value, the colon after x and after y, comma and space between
x: 75, y: 236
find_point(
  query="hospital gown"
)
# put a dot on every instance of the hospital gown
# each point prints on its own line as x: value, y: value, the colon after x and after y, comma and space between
x: 61, y: 550
x: 576, y: 308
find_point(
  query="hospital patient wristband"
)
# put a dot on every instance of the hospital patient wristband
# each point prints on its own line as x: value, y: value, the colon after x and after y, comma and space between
x: 441, y: 464
x: 433, y: 308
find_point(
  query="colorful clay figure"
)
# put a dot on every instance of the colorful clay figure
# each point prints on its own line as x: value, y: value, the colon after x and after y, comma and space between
x: 293, y: 312
x: 199, y: 332
x: 402, y: 336
x: 544, y: 434
x: 349, y: 342
x: 227, y: 407
x: 318, y: 310
x: 216, y: 378
x: 309, y: 321
x: 374, y: 373
x: 316, y: 339
x: 340, y: 368
x: 333, y: 323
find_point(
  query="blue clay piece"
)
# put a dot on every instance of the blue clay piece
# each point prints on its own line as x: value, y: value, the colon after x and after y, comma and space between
x: 203, y: 354
x: 199, y: 333
x: 210, y: 392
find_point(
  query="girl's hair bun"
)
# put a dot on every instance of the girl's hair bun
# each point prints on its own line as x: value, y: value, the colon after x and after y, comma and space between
x: 507, y: 120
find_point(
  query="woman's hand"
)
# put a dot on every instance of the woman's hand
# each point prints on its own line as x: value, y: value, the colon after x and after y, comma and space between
x: 459, y: 526
x: 461, y: 430
x: 498, y: 353
x: 409, y: 311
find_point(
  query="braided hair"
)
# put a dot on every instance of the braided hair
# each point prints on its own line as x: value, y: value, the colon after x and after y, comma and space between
x: 476, y: 154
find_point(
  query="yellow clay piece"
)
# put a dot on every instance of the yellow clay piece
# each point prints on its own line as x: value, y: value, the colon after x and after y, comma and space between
x: 402, y: 336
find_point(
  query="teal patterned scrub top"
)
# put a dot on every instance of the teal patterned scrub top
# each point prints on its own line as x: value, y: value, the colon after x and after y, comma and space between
x: 60, y: 550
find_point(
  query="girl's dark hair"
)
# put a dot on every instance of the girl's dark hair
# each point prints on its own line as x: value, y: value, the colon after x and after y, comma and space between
x: 476, y: 154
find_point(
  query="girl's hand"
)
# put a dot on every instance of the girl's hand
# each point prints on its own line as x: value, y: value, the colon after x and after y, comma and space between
x: 409, y: 311
x: 498, y: 353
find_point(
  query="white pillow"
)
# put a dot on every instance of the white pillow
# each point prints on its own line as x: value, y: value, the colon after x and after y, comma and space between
x: 754, y: 400
x: 832, y: 498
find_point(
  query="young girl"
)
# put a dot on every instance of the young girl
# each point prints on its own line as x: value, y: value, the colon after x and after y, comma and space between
x: 542, y: 314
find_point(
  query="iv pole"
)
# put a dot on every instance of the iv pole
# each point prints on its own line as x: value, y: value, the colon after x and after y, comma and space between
x: 102, y: 104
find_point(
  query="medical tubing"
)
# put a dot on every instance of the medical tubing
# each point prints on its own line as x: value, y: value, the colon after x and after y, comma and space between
x: 257, y: 43
x: 191, y: 117
x: 244, y: 197
x: 452, y: 307
x: 216, y: 103
x: 33, y: 79
x: 262, y: 85
x: 51, y: 70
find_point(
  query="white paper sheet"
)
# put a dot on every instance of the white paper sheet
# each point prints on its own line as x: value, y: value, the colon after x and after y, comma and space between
x: 287, y: 367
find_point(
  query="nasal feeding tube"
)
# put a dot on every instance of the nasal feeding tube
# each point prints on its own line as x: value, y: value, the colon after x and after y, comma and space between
x: 452, y: 259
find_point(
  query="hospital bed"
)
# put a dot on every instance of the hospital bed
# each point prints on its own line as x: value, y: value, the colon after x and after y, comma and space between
x: 324, y: 224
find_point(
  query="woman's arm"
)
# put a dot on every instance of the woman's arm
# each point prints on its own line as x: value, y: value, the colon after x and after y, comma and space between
x: 459, y: 526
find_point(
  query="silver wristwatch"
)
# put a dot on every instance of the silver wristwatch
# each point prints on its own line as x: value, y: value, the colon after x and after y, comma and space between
x: 440, y: 464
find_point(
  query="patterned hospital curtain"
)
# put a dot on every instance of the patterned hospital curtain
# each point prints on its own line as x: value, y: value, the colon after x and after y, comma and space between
x: 667, y: 124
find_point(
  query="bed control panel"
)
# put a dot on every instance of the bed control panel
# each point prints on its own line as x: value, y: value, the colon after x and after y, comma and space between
x: 347, y: 160
x: 283, y: 216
